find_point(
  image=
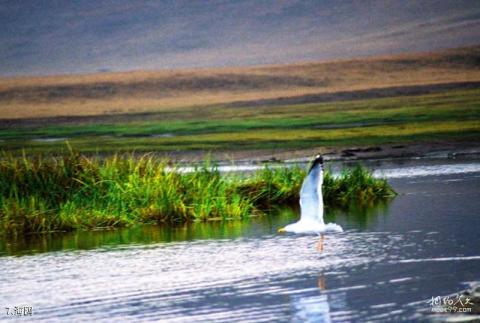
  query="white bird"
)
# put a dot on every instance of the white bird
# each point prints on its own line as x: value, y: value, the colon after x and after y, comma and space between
x: 311, y: 204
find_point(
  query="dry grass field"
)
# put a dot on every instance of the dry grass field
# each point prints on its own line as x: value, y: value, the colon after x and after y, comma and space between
x: 157, y: 91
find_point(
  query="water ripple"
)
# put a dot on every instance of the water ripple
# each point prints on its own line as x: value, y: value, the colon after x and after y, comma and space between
x: 197, y: 280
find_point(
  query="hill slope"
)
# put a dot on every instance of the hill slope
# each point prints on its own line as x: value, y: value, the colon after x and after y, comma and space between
x: 157, y: 91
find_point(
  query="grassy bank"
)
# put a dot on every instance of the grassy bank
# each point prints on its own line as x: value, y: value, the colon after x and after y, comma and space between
x: 40, y: 194
x: 451, y: 115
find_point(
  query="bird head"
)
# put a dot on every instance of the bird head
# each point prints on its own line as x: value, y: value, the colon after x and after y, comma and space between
x: 317, y: 161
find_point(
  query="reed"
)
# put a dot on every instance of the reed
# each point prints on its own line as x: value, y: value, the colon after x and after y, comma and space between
x: 39, y: 194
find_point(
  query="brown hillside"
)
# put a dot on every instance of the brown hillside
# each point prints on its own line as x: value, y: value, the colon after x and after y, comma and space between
x: 145, y: 91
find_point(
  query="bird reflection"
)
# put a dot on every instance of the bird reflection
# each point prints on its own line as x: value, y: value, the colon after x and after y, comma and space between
x: 321, y: 282
x: 314, y: 308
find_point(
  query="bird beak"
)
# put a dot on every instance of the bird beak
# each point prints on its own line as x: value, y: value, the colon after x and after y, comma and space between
x: 281, y: 230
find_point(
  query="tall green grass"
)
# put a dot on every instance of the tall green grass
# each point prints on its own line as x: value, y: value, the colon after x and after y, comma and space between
x: 39, y: 194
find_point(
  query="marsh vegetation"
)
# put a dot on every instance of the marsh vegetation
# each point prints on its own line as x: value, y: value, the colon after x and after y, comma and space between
x: 39, y: 194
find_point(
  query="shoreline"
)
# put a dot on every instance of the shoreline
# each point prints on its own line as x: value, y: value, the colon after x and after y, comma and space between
x: 445, y: 149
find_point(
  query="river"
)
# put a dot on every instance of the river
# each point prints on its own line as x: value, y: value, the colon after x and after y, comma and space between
x: 390, y: 261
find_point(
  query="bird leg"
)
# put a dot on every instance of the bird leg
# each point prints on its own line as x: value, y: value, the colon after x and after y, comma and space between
x: 320, y: 244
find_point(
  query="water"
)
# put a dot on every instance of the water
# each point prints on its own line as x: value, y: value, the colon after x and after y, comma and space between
x: 386, y: 265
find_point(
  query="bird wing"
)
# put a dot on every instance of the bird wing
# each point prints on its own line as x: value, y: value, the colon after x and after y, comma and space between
x: 311, y: 200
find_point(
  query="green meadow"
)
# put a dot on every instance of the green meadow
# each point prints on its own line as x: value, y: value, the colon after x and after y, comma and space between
x: 450, y: 115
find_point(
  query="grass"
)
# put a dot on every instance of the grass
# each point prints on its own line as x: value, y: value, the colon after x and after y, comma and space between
x: 40, y: 194
x: 449, y: 115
